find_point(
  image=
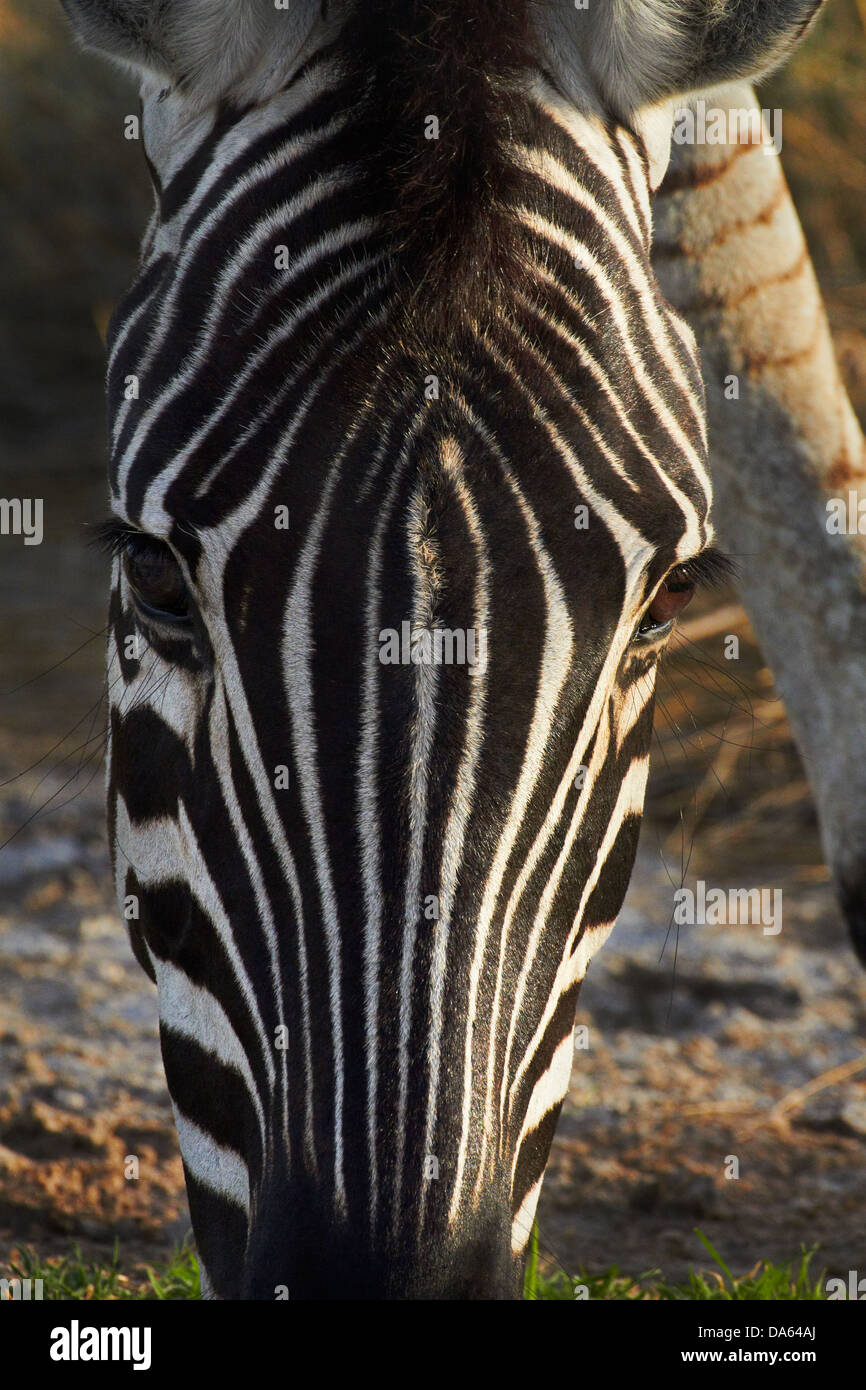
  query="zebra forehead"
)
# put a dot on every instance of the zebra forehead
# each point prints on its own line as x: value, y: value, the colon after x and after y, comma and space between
x: 440, y: 479
x: 320, y: 275
x: 434, y: 483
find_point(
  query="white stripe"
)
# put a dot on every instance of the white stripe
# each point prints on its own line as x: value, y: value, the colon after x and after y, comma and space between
x: 629, y: 801
x: 521, y: 1226
x: 634, y: 351
x: 297, y: 658
x: 301, y: 319
x: 638, y: 271
x: 221, y: 757
x: 159, y: 850
x: 422, y: 735
x: 260, y: 173
x: 259, y: 244
x: 597, y: 765
x: 548, y: 1091
x: 591, y: 142
x: 218, y: 1169
x: 633, y: 550
x: 194, y: 1013
x: 461, y: 803
x: 555, y: 664
x: 367, y: 784
x: 692, y: 537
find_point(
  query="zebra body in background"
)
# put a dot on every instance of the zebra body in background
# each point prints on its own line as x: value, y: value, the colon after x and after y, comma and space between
x: 410, y: 481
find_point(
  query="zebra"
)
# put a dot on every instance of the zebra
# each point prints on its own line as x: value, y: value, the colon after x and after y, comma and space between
x: 410, y: 482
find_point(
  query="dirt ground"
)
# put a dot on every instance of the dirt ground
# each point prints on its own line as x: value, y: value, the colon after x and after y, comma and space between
x: 751, y: 1049
x: 81, y: 1081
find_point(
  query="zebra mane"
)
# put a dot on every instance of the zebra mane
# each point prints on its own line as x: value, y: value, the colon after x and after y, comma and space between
x: 441, y: 79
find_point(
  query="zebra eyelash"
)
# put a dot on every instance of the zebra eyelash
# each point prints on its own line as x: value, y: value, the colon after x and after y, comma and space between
x: 709, y: 570
x: 115, y: 537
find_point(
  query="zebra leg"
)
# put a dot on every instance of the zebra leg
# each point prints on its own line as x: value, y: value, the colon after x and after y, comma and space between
x: 784, y: 443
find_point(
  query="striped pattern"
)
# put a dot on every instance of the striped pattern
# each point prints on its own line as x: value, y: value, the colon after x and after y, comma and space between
x: 396, y: 368
x: 417, y: 908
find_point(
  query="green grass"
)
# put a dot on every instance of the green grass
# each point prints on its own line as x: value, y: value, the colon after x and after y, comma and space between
x: 766, y: 1282
x: 74, y: 1277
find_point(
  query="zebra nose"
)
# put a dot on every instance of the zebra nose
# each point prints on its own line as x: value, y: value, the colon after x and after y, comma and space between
x: 330, y: 1263
x: 384, y: 1283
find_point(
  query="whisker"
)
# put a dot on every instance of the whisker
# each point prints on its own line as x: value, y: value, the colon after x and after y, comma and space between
x: 5, y: 694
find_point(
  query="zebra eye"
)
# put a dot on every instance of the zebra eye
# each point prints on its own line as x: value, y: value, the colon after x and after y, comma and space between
x: 669, y: 600
x: 156, y: 580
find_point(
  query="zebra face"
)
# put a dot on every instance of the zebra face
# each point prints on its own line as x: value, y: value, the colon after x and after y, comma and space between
x: 409, y: 482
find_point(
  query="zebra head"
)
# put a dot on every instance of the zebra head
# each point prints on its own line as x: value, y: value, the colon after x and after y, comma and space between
x: 409, y: 482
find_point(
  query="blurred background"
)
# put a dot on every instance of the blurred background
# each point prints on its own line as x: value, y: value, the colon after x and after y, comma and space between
x: 749, y: 1045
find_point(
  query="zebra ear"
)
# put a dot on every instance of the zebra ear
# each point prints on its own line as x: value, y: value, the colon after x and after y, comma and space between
x: 201, y: 45
x: 641, y: 52
x: 126, y: 33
